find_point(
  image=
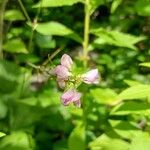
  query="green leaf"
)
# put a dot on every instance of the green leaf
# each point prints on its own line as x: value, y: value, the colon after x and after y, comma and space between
x: 58, y: 29
x: 132, y: 82
x: 116, y: 38
x: 56, y: 3
x: 95, y: 4
x: 106, y: 143
x: 131, y: 107
x: 142, y: 7
x: 2, y: 134
x: 16, y: 141
x: 140, y: 142
x: 3, y: 109
x: 10, y: 76
x: 115, y: 5
x: 77, y: 138
x: 15, y: 46
x: 13, y: 15
x: 145, y: 64
x: 135, y: 92
x: 105, y: 96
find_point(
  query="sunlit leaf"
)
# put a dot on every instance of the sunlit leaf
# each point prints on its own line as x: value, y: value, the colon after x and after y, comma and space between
x: 13, y: 15
x: 58, y: 29
x: 15, y: 46
x: 142, y: 7
x: 77, y: 138
x: 135, y: 92
x: 115, y: 5
x: 105, y: 96
x: 56, y: 3
x: 116, y: 38
x: 16, y: 141
x: 2, y: 134
x: 106, y: 143
x: 145, y: 64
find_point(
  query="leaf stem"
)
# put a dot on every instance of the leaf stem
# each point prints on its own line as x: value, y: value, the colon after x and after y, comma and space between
x: 86, y: 31
x: 2, y: 9
x: 24, y: 10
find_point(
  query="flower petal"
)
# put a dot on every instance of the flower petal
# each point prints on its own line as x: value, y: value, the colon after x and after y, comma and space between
x: 62, y: 72
x: 66, y: 61
x: 91, y: 77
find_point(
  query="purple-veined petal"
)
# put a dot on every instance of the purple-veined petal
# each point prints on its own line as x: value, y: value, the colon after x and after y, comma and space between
x: 66, y: 61
x: 91, y: 77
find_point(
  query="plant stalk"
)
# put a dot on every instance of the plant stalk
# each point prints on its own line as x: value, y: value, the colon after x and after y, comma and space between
x: 2, y: 9
x: 86, y: 31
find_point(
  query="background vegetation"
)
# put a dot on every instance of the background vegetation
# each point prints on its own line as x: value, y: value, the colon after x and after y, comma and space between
x: 111, y: 35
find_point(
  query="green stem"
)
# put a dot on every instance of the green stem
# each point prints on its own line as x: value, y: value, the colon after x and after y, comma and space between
x: 2, y: 9
x: 86, y: 31
x: 24, y: 10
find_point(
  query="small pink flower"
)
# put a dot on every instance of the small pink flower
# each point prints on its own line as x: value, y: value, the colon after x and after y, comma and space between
x: 61, y: 83
x: 66, y: 61
x: 71, y: 96
x: 62, y: 72
x: 91, y: 77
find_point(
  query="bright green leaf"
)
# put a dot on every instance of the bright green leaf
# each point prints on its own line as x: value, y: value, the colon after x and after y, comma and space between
x: 142, y: 7
x: 77, y: 138
x: 15, y: 46
x: 13, y: 15
x: 58, y: 29
x: 106, y: 143
x: 56, y: 3
x: 16, y: 141
x: 115, y: 5
x: 2, y: 134
x: 116, y: 38
x: 145, y: 64
x: 105, y: 96
x: 135, y: 92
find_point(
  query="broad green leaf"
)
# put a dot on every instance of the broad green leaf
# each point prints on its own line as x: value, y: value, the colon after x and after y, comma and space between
x: 145, y: 64
x: 2, y: 134
x: 116, y: 38
x: 3, y: 109
x: 132, y: 107
x: 135, y: 92
x: 142, y: 7
x: 58, y: 29
x: 140, y: 142
x: 16, y: 141
x: 115, y: 5
x: 10, y: 75
x: 105, y: 96
x: 56, y: 3
x: 13, y: 15
x: 132, y: 82
x: 15, y: 46
x: 94, y: 4
x: 77, y: 138
x: 106, y: 143
x: 125, y: 129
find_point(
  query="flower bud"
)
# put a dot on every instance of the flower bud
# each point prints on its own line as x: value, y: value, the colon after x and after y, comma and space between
x: 91, y: 77
x: 61, y: 83
x: 66, y: 61
x: 71, y: 96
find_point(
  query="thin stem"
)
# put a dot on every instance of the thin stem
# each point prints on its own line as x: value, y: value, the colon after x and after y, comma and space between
x: 2, y: 9
x: 86, y: 31
x: 24, y: 10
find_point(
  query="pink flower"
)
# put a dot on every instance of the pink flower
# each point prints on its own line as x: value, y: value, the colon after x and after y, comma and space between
x: 66, y: 61
x: 61, y: 83
x: 62, y: 72
x: 71, y: 96
x: 91, y: 77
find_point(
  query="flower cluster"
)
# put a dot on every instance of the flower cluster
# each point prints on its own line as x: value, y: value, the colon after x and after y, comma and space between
x: 64, y: 74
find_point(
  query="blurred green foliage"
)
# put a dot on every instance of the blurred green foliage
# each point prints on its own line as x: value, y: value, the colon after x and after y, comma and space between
x: 116, y: 113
